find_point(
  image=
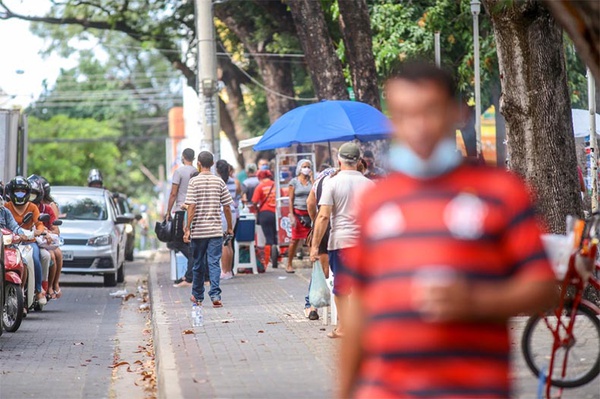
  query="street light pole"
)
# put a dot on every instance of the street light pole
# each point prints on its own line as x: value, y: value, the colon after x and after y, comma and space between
x: 475, y: 10
x: 593, y: 140
x: 207, y: 77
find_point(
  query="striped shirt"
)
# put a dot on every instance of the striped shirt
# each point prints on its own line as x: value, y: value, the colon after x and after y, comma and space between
x: 478, y: 222
x: 208, y: 192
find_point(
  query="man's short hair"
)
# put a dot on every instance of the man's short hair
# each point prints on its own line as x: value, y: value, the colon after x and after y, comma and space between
x: 419, y: 71
x: 368, y: 154
x: 206, y: 159
x: 251, y: 168
x: 188, y: 154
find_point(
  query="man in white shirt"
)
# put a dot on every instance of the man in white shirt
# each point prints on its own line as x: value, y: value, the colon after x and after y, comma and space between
x: 181, y: 179
x: 337, y: 208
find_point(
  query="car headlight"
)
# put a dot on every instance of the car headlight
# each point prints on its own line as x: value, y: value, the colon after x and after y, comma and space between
x: 128, y: 229
x: 7, y: 239
x: 100, y: 241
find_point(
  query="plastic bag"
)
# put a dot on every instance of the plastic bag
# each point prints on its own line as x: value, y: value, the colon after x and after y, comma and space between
x: 319, y: 295
x: 163, y: 231
x: 51, y: 241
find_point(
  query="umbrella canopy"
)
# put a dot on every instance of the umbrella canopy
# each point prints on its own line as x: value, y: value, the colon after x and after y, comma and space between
x: 326, y: 121
x: 581, y: 122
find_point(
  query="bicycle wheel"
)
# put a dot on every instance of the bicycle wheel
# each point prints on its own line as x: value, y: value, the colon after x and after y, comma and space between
x: 582, y: 350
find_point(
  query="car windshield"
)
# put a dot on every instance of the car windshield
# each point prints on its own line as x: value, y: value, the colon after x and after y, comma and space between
x: 81, y: 207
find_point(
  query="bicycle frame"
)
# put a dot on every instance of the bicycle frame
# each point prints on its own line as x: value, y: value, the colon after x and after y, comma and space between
x: 574, y: 279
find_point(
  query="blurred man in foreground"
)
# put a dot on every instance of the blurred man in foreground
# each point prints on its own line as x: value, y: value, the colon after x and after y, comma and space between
x: 447, y: 252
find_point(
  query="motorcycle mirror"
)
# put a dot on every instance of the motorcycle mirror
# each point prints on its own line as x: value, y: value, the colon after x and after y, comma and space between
x: 27, y: 218
x: 57, y: 223
x: 44, y: 217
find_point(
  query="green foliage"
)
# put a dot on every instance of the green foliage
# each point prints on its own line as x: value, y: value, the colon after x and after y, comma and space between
x: 68, y: 164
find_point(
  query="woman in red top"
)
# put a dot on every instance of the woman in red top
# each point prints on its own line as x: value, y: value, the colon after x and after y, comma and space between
x: 264, y: 199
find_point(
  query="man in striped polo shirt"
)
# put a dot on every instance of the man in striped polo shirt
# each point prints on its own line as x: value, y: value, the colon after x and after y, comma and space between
x: 446, y: 253
x: 207, y: 194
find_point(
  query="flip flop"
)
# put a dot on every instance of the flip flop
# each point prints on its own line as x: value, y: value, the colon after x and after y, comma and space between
x: 217, y: 304
x: 290, y: 271
x: 335, y: 334
x: 58, y: 294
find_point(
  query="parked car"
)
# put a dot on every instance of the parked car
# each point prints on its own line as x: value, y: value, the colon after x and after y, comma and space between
x: 124, y: 208
x: 93, y: 232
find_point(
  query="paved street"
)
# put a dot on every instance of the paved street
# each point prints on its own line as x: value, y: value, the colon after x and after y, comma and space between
x: 68, y: 350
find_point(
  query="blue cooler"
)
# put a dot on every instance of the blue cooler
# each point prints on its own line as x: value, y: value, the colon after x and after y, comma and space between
x: 245, y: 228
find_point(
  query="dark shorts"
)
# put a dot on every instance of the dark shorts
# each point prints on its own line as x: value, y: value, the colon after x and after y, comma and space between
x: 337, y: 265
x: 268, y: 223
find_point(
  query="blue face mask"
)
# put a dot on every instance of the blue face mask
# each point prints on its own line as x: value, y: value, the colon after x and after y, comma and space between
x: 264, y: 167
x: 20, y: 195
x: 444, y: 159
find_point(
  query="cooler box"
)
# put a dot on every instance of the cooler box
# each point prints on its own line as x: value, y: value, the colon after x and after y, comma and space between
x: 178, y: 265
x: 245, y: 228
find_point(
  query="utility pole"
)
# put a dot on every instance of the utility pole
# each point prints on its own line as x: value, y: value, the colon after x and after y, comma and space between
x: 207, y: 77
x: 475, y: 10
x: 438, y: 49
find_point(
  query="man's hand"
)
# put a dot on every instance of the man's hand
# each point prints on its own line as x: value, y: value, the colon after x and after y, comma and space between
x: 168, y: 216
x: 229, y: 232
x: 451, y: 301
x: 37, y: 233
x: 186, y: 235
x: 314, y: 254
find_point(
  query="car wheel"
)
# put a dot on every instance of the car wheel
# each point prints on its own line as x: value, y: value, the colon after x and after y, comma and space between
x: 129, y: 255
x: 121, y: 274
x: 110, y: 279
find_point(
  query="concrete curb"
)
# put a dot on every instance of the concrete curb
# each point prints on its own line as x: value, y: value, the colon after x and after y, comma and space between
x: 166, y: 367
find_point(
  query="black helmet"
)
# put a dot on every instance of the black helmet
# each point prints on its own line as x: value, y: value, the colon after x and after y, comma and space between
x: 37, y: 190
x: 95, y: 177
x: 47, y: 188
x: 20, y: 190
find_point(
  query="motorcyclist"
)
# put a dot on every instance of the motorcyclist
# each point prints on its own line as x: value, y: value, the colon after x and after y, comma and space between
x: 19, y: 206
x: 37, y: 197
x: 95, y: 179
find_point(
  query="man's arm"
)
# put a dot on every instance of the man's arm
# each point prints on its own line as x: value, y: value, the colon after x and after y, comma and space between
x: 172, y: 199
x: 227, y: 212
x: 191, y: 212
x: 319, y: 230
x: 311, y: 204
x: 11, y: 223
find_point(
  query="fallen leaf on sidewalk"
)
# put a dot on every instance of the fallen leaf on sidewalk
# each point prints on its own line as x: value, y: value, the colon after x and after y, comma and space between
x: 188, y: 332
x: 243, y: 341
x: 260, y: 331
x: 145, y: 306
x: 323, y: 329
x: 199, y: 381
x: 273, y: 322
x: 123, y: 363
x: 226, y: 321
x: 77, y: 343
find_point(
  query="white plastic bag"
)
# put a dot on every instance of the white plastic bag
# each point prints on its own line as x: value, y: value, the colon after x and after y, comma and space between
x: 319, y: 295
x: 50, y: 241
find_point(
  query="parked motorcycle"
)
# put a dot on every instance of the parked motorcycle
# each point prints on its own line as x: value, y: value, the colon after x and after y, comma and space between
x: 13, y: 293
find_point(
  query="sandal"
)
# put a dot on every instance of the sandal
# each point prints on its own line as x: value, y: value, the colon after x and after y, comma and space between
x: 58, y: 294
x: 335, y: 334
x: 290, y: 271
x: 217, y: 304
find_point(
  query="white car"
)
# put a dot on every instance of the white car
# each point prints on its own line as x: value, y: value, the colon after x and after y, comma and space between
x: 93, y: 233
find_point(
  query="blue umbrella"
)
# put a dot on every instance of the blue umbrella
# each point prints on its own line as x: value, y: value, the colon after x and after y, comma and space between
x: 326, y: 121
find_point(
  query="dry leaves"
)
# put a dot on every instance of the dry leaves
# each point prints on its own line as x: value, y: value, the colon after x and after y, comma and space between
x: 186, y: 332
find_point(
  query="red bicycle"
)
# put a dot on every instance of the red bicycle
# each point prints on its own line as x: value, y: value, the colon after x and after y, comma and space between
x: 573, y: 326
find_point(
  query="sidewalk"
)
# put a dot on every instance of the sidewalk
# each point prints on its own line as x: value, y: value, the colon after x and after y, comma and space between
x: 259, y: 345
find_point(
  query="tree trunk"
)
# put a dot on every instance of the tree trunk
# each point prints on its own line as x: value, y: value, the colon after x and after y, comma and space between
x: 500, y: 126
x: 355, y: 25
x: 276, y: 76
x: 323, y: 63
x: 581, y: 20
x: 535, y: 102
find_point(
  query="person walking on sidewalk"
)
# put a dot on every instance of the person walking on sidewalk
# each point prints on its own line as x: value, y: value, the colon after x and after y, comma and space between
x: 207, y: 195
x: 179, y: 188
x: 265, y: 201
x: 447, y: 253
x: 336, y: 206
